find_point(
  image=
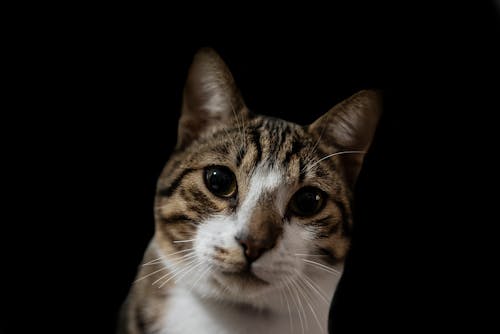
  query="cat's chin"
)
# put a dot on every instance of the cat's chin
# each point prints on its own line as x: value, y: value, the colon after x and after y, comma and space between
x: 242, y: 279
x: 240, y: 282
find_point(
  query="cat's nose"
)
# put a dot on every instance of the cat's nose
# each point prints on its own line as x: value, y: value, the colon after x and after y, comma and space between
x: 253, y: 248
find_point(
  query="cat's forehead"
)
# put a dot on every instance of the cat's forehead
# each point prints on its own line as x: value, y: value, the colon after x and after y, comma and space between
x: 271, y: 125
x: 272, y: 137
x: 263, y: 141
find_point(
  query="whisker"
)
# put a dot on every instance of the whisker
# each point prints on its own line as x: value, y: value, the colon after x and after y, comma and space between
x: 322, y: 266
x: 301, y: 290
x: 187, y: 272
x: 161, y: 258
x: 181, y: 241
x: 289, y: 311
x: 242, y: 127
x: 187, y: 257
x: 154, y: 272
x: 311, y: 151
x: 299, y: 254
x: 314, y: 287
x: 181, y: 251
x: 300, y: 304
x: 157, y: 260
x: 184, y: 258
x: 175, y: 273
x: 201, y: 275
x: 308, y: 300
x: 308, y: 167
x: 151, y: 263
x: 296, y: 305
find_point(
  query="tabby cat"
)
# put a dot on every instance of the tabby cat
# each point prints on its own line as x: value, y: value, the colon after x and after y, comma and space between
x: 252, y: 215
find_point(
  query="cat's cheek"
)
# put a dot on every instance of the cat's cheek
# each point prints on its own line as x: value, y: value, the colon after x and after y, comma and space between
x: 214, y: 235
x: 283, y: 262
x: 269, y: 273
x: 276, y: 265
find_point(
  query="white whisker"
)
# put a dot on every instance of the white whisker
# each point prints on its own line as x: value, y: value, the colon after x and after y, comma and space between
x: 296, y: 305
x: 314, y: 287
x: 171, y: 273
x: 154, y: 272
x: 299, y: 254
x: 187, y: 272
x: 161, y: 258
x: 298, y: 289
x: 181, y: 251
x: 241, y: 127
x: 201, y: 275
x: 181, y: 241
x: 308, y: 167
x: 157, y: 260
x: 184, y: 258
x: 308, y: 301
x: 300, y: 308
x: 322, y: 266
x: 176, y: 273
x: 289, y: 311
x: 311, y: 151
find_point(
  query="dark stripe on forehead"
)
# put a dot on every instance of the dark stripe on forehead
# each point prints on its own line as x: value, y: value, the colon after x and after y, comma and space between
x: 302, y: 172
x: 296, y: 147
x: 240, y: 156
x: 221, y: 149
x: 168, y: 191
x: 319, y: 172
x: 258, y: 147
x: 275, y: 141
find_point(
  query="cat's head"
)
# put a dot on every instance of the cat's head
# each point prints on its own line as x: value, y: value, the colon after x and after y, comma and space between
x: 249, y: 203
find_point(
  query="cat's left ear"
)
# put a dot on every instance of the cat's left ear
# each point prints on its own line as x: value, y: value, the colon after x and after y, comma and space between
x: 211, y: 99
x: 350, y: 127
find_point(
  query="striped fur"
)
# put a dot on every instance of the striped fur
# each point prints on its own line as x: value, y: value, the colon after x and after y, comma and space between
x: 195, y: 259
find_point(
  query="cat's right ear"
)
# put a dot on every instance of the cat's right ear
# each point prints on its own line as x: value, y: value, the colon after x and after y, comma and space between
x: 350, y: 126
x: 211, y: 99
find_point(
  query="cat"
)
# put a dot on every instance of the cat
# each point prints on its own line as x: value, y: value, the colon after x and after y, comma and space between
x: 253, y: 214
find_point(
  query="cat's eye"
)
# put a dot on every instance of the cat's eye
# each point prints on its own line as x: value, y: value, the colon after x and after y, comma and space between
x: 220, y: 181
x: 307, y: 202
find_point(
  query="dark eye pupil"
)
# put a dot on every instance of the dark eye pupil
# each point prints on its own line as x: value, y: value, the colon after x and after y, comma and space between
x: 220, y: 181
x: 307, y: 201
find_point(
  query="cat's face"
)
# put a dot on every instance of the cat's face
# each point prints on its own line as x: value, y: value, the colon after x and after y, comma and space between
x: 249, y: 204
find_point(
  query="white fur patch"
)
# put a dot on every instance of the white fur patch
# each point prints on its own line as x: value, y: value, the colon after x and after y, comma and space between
x: 263, y: 180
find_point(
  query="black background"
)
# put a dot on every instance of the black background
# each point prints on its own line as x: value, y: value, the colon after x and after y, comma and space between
x: 105, y: 92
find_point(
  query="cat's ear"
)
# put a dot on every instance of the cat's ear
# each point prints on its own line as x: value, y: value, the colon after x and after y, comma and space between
x: 211, y: 99
x: 350, y: 126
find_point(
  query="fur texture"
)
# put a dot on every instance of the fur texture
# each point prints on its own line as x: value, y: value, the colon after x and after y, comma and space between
x: 198, y: 276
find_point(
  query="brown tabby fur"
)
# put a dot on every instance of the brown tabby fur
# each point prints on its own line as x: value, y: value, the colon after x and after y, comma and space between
x: 241, y: 140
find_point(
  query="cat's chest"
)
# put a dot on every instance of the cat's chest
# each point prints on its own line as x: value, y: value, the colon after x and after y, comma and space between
x: 187, y: 314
